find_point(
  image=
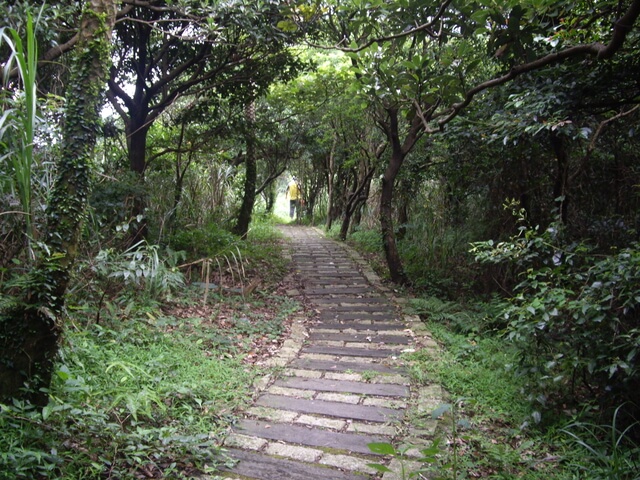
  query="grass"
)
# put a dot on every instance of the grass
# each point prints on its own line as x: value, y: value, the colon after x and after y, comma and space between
x: 497, y: 434
x: 126, y: 400
x: 150, y: 387
x: 499, y: 437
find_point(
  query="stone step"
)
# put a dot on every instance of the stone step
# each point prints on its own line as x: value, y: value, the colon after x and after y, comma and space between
x: 361, y: 308
x: 312, y: 437
x: 350, y: 352
x: 347, y: 301
x: 363, y: 325
x: 357, y: 316
x: 337, y: 366
x: 257, y: 466
x: 338, y: 291
x: 361, y: 338
x: 330, y: 409
x: 326, y: 385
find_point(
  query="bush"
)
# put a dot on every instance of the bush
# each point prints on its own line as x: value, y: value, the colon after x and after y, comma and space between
x: 209, y: 241
x: 574, y: 317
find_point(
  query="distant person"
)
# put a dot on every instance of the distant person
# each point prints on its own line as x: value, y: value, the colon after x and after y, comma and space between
x: 294, y: 193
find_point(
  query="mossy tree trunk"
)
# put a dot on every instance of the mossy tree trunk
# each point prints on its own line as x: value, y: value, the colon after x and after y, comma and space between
x: 29, y: 335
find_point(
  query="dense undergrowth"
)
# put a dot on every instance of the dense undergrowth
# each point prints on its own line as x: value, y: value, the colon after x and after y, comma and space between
x: 540, y: 382
x: 151, y: 369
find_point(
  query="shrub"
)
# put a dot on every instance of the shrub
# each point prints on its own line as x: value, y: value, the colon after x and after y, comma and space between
x: 574, y: 316
x: 210, y: 241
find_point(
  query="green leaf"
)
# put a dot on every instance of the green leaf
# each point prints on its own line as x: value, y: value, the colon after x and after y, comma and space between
x: 441, y: 410
x: 382, y: 448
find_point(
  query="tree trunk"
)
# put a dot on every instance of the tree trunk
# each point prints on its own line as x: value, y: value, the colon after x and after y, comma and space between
x: 560, y: 188
x: 403, y: 217
x: 394, y: 263
x: 330, y: 175
x: 137, y: 149
x: 344, y: 227
x: 356, y: 198
x: 270, y: 198
x: 251, y: 176
x: 29, y: 335
x: 399, y: 152
x: 137, y: 143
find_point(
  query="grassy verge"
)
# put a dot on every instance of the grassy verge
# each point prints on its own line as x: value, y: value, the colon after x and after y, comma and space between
x: 491, y: 429
x: 147, y: 384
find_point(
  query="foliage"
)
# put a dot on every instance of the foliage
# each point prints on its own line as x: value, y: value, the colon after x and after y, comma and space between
x: 574, y: 317
x: 142, y: 267
x: 366, y: 240
x: 143, y: 385
x: 499, y: 440
x: 473, y: 361
x: 125, y: 401
x: 110, y: 205
x: 428, y: 455
x: 19, y: 124
x: 209, y: 241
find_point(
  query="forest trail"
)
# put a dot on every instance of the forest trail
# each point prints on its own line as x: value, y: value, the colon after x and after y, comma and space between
x: 342, y: 383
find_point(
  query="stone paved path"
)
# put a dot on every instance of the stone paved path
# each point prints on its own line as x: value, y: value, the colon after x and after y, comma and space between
x: 342, y: 384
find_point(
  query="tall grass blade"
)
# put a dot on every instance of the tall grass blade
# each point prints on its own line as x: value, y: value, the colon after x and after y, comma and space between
x: 26, y: 60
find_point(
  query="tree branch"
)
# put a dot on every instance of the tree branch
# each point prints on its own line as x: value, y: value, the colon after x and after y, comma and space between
x: 620, y: 30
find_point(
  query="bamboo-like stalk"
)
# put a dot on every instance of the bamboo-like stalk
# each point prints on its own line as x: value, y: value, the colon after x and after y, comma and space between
x: 26, y: 60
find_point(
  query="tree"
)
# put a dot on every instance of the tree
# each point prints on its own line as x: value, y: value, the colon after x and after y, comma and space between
x: 249, y: 195
x: 167, y: 51
x: 417, y: 65
x: 29, y: 333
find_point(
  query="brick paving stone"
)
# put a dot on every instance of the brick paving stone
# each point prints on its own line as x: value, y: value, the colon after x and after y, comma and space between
x: 381, y: 346
x: 304, y: 454
x: 384, y: 402
x: 339, y: 397
x: 360, y: 360
x: 316, y: 356
x: 264, y: 467
x: 357, y: 316
x: 337, y: 291
x: 329, y: 343
x: 348, y: 462
x: 353, y: 325
x: 323, y: 422
x: 349, y: 351
x: 272, y: 414
x: 290, y: 392
x: 346, y: 367
x: 351, y: 301
x: 362, y: 308
x: 399, y: 379
x: 355, y: 377
x: 302, y: 373
x: 247, y: 442
x: 374, y: 429
x: 397, y: 339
